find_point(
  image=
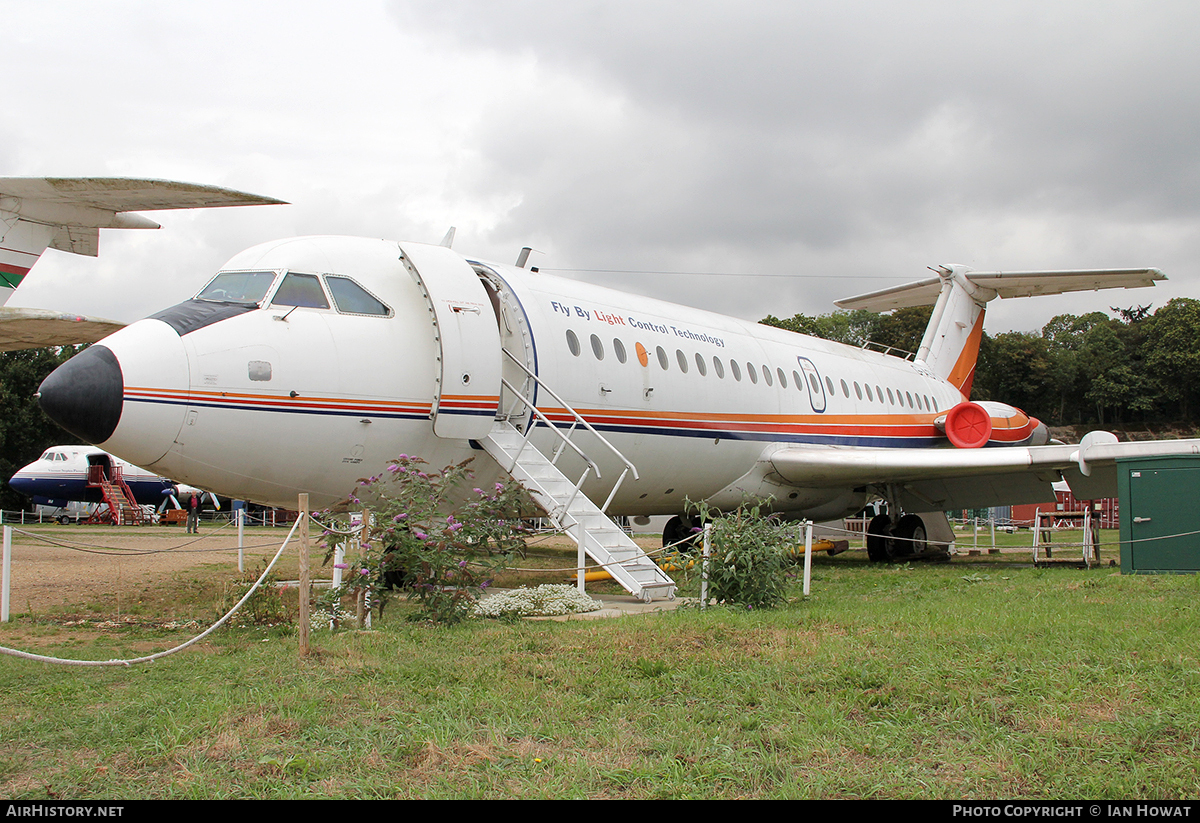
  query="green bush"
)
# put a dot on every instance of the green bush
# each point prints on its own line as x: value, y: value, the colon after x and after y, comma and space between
x: 749, y: 562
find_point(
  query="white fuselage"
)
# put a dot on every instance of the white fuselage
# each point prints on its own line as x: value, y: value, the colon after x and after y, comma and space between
x: 279, y: 399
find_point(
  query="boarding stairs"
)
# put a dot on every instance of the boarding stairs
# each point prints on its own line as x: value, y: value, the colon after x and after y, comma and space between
x: 565, y: 504
x: 122, y: 508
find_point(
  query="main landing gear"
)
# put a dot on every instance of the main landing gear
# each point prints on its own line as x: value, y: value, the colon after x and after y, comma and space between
x: 682, y: 528
x: 889, y: 543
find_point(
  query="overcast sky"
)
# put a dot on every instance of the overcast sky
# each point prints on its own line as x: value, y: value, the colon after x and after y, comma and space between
x: 849, y: 145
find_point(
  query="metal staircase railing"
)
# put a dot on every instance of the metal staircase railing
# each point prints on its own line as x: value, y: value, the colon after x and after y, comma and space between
x: 586, y: 523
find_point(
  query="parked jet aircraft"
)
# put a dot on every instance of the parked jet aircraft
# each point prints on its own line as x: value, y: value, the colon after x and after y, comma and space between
x: 67, y: 213
x: 61, y: 476
x: 71, y: 474
x: 307, y: 363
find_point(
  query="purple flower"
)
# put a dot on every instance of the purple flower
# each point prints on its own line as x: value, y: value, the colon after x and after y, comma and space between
x: 340, y: 566
x: 420, y: 535
x: 399, y: 517
x: 393, y: 468
x: 364, y: 572
x: 462, y: 564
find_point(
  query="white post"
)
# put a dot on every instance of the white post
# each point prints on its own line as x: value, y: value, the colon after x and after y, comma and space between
x: 581, y: 560
x: 807, y: 554
x: 7, y: 568
x: 303, y: 626
x: 364, y: 536
x: 241, y: 518
x: 704, y: 569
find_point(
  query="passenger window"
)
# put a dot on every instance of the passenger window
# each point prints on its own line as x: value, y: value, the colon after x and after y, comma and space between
x: 782, y: 378
x: 845, y: 388
x: 701, y: 365
x: 857, y: 390
x: 816, y: 386
x: 753, y: 372
x: 662, y: 357
x: 718, y: 367
x: 303, y: 290
x: 351, y: 298
x: 867, y: 386
x: 797, y: 381
x: 737, y: 371
x: 935, y: 406
x: 572, y: 342
x: 642, y: 354
x: 879, y: 392
x: 891, y: 399
x: 767, y: 375
x: 597, y: 347
x: 682, y: 359
x: 619, y: 350
x: 829, y: 385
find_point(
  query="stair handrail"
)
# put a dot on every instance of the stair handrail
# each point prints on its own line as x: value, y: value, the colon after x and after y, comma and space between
x: 628, y: 465
x: 550, y: 424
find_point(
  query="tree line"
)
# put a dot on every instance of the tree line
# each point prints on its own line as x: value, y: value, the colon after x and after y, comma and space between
x: 1132, y: 367
x: 25, y: 430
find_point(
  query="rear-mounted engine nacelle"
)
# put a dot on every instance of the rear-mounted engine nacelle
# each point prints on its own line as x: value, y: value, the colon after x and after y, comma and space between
x: 973, y: 424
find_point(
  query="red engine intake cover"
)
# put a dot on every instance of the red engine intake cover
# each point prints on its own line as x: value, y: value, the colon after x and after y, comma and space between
x: 968, y: 425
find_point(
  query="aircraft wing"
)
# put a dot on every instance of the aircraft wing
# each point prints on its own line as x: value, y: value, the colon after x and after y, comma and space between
x: 944, y: 479
x: 38, y: 328
x: 117, y: 194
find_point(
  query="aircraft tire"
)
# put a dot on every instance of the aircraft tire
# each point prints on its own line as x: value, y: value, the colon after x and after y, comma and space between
x: 911, y: 531
x: 879, y: 539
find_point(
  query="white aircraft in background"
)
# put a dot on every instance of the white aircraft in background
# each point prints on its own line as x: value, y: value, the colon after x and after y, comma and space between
x: 72, y: 474
x: 308, y: 363
x: 67, y: 213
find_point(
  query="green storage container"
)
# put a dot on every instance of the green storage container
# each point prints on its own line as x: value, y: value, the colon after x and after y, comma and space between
x: 1160, y: 514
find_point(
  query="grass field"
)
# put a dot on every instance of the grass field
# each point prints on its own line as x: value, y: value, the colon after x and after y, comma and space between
x: 980, y: 678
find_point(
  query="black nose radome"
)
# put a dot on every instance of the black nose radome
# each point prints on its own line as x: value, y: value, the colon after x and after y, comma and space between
x: 85, y: 394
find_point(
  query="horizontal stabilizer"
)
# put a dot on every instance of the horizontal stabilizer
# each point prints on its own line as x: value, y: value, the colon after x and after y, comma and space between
x: 991, y: 284
x: 37, y: 328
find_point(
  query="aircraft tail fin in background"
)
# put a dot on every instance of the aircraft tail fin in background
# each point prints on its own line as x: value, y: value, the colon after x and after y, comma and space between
x: 67, y: 213
x: 959, y: 296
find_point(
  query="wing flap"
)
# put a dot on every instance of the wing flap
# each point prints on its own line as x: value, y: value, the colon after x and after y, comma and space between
x: 947, y: 478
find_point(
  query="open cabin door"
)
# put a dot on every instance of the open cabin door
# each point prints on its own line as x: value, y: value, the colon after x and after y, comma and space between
x: 468, y: 389
x: 519, y: 363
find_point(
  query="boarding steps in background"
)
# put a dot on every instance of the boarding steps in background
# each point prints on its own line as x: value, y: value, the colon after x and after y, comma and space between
x: 123, y: 509
x: 581, y: 519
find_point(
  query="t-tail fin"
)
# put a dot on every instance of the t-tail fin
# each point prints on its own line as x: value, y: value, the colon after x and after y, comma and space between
x: 67, y: 213
x: 959, y: 296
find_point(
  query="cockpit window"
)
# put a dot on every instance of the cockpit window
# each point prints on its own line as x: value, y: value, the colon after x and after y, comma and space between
x: 302, y: 290
x: 246, y: 287
x: 351, y: 298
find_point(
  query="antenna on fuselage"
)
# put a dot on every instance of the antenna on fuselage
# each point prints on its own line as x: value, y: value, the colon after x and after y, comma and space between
x: 523, y: 258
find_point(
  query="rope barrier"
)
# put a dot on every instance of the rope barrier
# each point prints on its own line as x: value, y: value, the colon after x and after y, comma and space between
x: 159, y: 655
